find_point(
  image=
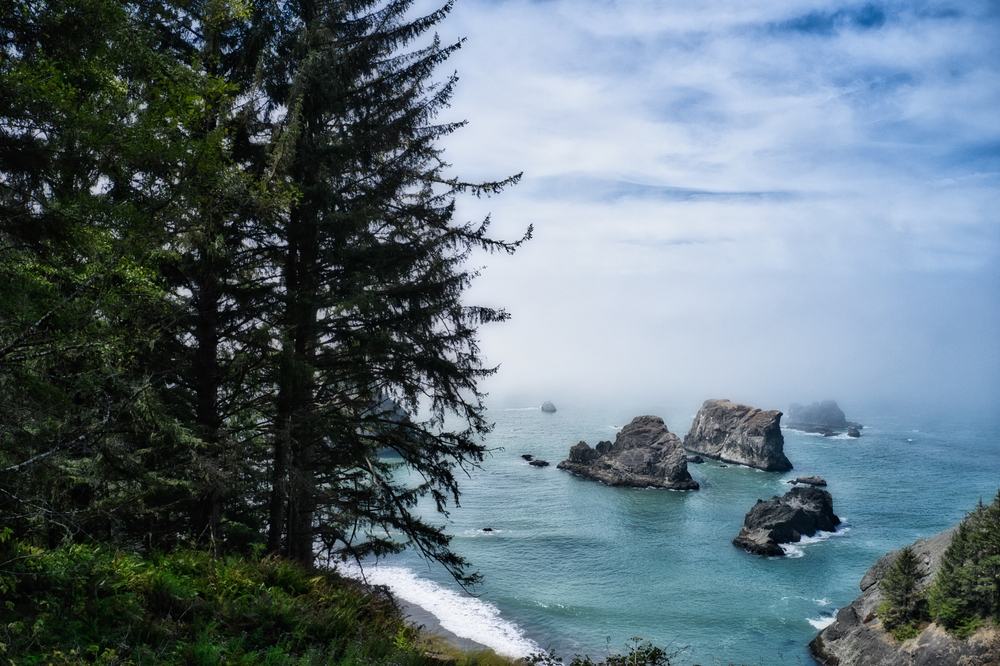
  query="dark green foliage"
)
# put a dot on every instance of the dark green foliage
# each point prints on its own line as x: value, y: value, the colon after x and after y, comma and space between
x: 229, y: 243
x: 78, y: 229
x: 901, y: 588
x: 967, y: 589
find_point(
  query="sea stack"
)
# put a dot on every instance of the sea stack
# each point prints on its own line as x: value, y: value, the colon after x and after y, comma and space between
x: 800, y: 512
x: 547, y: 406
x: 824, y: 418
x: 738, y: 434
x: 645, y: 454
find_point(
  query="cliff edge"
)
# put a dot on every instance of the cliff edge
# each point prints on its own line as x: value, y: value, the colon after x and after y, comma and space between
x: 856, y: 637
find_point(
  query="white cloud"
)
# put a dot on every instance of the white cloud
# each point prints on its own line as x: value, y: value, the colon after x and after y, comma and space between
x: 869, y: 131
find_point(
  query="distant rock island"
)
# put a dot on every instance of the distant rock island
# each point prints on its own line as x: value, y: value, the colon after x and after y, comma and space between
x: 801, y: 511
x: 548, y: 407
x: 645, y: 454
x: 738, y: 434
x: 824, y: 418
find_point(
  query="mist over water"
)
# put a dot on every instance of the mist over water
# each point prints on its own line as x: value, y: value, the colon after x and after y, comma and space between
x: 577, y: 567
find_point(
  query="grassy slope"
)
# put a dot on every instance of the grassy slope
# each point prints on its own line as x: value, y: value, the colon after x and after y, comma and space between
x: 83, y: 604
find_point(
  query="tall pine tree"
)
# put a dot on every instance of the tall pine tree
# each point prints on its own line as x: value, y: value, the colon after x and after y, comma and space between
x: 372, y: 277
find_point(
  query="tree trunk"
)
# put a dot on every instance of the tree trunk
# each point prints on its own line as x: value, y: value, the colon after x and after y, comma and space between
x: 208, y: 512
x: 294, y: 454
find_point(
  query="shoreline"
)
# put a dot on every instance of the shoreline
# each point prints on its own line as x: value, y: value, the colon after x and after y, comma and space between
x: 427, y: 623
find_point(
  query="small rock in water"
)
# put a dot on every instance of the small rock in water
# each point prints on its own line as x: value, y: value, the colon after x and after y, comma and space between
x: 547, y: 406
x: 539, y: 463
x: 853, y: 432
x: 697, y: 460
x: 809, y: 481
x: 487, y: 529
x: 527, y: 456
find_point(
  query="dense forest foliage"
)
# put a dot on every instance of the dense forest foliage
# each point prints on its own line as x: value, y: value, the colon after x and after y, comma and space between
x: 232, y: 278
x: 966, y: 591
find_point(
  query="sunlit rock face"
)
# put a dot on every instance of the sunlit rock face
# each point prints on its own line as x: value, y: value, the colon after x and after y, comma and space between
x: 644, y: 454
x: 738, y: 434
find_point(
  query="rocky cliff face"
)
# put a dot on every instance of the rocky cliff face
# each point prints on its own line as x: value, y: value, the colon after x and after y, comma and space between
x: 644, y: 454
x: 738, y: 434
x: 800, y: 512
x: 856, y: 638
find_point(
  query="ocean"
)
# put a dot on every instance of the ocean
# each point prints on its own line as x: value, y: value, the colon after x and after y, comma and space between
x: 576, y: 567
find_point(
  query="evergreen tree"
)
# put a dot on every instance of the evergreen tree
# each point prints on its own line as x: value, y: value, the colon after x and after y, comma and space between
x: 967, y: 588
x: 372, y: 277
x: 901, y: 589
x: 127, y: 157
x: 215, y: 266
x: 80, y: 146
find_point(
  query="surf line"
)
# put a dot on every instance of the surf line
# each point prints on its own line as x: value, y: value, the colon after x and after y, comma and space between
x: 466, y: 617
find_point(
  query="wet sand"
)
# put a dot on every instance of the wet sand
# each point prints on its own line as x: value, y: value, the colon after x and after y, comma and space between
x: 428, y: 623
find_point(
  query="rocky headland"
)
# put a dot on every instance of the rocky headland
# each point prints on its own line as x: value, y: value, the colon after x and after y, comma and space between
x: 738, y: 434
x: 800, y: 511
x: 856, y: 637
x: 644, y: 454
x: 824, y: 418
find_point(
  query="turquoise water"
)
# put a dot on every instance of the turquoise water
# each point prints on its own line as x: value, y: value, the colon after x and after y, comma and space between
x: 574, y: 566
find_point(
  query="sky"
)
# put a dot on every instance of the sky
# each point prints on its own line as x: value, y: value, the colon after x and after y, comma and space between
x: 769, y: 201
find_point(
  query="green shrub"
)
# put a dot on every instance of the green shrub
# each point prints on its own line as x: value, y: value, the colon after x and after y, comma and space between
x: 81, y: 604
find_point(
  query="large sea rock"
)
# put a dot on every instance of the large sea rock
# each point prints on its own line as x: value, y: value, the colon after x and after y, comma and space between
x: 856, y: 637
x: 644, y: 454
x: 738, y: 434
x: 825, y: 418
x: 799, y: 512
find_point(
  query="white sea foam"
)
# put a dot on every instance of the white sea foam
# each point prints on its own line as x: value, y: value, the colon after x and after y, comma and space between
x: 797, y: 549
x: 464, y: 616
x: 821, y: 623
